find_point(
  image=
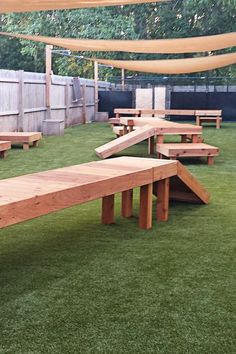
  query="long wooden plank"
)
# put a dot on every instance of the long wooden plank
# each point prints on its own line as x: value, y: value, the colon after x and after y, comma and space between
x: 125, y: 141
x: 26, y: 197
x: 163, y: 126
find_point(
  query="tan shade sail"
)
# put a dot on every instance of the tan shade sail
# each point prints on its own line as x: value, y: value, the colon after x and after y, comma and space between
x: 165, y: 46
x: 40, y: 5
x: 173, y: 66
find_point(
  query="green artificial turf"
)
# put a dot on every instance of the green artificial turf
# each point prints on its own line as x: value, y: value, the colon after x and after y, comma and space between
x: 71, y: 285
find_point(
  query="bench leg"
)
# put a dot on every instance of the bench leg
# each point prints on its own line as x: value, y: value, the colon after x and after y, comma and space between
x: 160, y: 139
x: 145, y: 213
x: 36, y: 143
x: 163, y: 191
x: 25, y: 146
x: 217, y: 123
x: 195, y: 138
x: 125, y: 131
x: 210, y: 160
x: 198, y: 122
x: 108, y: 209
x: 151, y: 145
x: 3, y: 154
x: 127, y: 203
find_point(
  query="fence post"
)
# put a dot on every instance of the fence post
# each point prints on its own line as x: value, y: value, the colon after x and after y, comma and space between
x: 20, y: 118
x: 84, y: 113
x: 96, y: 87
x: 67, y: 101
x: 48, y: 78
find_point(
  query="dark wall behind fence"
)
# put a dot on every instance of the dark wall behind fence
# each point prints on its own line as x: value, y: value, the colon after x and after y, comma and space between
x: 206, y: 100
x: 109, y: 100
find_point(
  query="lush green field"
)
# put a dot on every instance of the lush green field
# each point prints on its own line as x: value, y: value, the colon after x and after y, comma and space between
x: 71, y: 285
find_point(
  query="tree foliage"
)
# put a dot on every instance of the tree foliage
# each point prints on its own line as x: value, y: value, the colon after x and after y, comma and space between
x: 179, y: 18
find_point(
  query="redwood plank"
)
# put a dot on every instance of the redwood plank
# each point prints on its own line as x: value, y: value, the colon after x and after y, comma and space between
x: 127, y: 203
x: 108, y: 209
x: 163, y: 188
x: 145, y: 213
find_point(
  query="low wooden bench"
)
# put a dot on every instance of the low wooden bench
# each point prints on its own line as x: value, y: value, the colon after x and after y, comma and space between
x: 124, y: 111
x: 30, y: 196
x: 4, y: 146
x: 24, y: 138
x: 174, y: 151
x: 207, y: 116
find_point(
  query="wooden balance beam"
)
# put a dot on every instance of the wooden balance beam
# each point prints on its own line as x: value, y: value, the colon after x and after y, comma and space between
x: 30, y: 196
x: 4, y: 146
x: 24, y: 138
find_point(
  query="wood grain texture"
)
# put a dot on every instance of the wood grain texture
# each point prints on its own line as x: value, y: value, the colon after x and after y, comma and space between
x: 145, y: 212
x: 27, y: 197
x: 163, y: 190
x: 124, y: 142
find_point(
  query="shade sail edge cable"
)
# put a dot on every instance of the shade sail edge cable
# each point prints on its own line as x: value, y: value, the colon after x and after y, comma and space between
x: 164, y: 46
x: 172, y: 66
x: 8, y: 6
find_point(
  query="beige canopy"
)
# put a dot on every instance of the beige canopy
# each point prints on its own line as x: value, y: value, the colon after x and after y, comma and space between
x: 179, y: 45
x: 40, y: 5
x: 173, y: 66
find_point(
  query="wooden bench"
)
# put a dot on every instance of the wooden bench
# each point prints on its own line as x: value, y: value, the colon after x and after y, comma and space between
x: 207, y: 116
x: 124, y: 111
x: 30, y: 196
x: 4, y: 146
x: 25, y: 138
x: 174, y: 151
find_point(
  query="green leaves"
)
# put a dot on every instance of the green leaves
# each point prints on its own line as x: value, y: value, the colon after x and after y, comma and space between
x: 145, y: 21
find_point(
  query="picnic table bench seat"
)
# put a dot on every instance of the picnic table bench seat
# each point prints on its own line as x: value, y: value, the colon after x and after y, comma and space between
x: 178, y: 150
x: 4, y: 146
x: 26, y: 197
x: 24, y: 138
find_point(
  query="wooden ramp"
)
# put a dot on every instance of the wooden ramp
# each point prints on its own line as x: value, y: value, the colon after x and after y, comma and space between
x: 184, y: 187
x: 27, y: 197
x: 125, y: 141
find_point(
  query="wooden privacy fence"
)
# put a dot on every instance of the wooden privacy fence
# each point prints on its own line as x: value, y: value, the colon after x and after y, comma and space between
x: 23, y: 105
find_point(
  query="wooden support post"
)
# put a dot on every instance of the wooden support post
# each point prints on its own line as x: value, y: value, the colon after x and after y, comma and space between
x: 151, y: 148
x: 96, y: 86
x: 84, y: 101
x: 125, y: 130
x: 130, y: 124
x: 198, y: 121
x: 210, y: 160
x: 159, y: 140
x: 195, y: 138
x: 3, y: 154
x: 163, y: 188
x: 67, y: 101
x: 108, y: 209
x: 217, y: 122
x: 25, y: 146
x: 48, y: 78
x: 127, y: 203
x: 20, y: 120
x: 145, y: 212
x: 123, y: 79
